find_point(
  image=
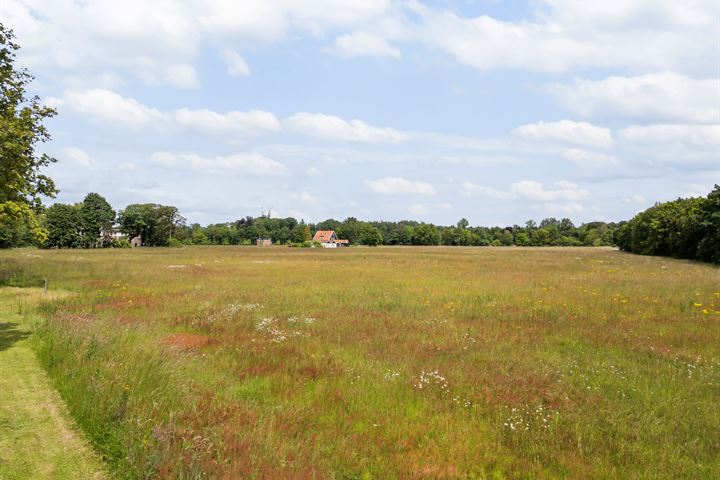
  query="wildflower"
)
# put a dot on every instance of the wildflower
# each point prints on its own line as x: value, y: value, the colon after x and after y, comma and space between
x: 698, y: 304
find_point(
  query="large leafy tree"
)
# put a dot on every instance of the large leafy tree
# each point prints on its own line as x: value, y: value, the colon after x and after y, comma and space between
x: 97, y: 217
x: 21, y: 130
x: 63, y: 224
x: 155, y: 224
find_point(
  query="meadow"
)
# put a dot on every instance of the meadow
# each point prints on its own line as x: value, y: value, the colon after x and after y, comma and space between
x: 390, y: 362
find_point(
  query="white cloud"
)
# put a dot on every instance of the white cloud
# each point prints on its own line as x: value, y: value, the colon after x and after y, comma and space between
x: 563, y: 34
x: 155, y: 40
x: 566, y: 131
x: 254, y: 122
x: 418, y: 210
x: 363, y: 43
x: 111, y: 107
x: 562, y: 208
x: 664, y: 96
x: 236, y: 65
x: 158, y: 41
x: 252, y: 163
x: 305, y: 197
x: 335, y: 128
x: 400, y: 186
x: 638, y: 199
x: 77, y: 156
x: 106, y: 105
x: 560, y: 191
x: 583, y: 158
x: 470, y: 189
x: 700, y: 137
x: 180, y: 75
x: 530, y: 190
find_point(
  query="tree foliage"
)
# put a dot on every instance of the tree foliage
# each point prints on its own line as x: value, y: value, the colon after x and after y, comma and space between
x: 97, y: 219
x: 21, y: 129
x: 683, y: 228
x: 155, y: 224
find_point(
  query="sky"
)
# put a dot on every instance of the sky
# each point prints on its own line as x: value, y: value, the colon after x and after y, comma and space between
x: 495, y: 111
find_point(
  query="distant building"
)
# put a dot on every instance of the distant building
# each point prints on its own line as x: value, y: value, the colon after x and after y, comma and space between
x: 263, y: 242
x: 136, y: 242
x: 328, y: 239
x: 108, y: 236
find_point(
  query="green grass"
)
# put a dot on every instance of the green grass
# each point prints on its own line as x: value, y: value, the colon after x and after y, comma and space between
x: 37, y: 438
x: 246, y: 362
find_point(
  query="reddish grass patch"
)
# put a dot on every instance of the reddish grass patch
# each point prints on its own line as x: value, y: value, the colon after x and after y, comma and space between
x: 188, y: 341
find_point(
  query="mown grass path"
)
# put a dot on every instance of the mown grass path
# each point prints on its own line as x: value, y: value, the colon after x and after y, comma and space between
x: 37, y: 438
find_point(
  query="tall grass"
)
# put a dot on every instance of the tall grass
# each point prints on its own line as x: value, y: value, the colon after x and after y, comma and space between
x: 387, y: 363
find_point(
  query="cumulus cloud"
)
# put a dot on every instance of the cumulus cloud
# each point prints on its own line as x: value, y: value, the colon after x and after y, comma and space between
x: 566, y: 131
x: 111, y: 107
x: 305, y: 197
x: 565, y: 34
x: 584, y: 158
x: 656, y: 97
x: 335, y: 128
x: 236, y: 65
x: 252, y: 163
x: 400, y: 186
x: 637, y: 199
x: 702, y: 137
x: 364, y: 44
x: 254, y: 122
x: 418, y: 210
x: 562, y: 208
x: 530, y: 190
x: 159, y: 41
x: 77, y: 156
x: 470, y: 189
x: 559, y: 191
x: 108, y: 106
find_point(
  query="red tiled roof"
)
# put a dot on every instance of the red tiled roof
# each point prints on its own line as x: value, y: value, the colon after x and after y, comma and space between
x: 323, y: 235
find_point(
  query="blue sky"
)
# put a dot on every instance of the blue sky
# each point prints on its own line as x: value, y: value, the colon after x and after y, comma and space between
x: 497, y: 111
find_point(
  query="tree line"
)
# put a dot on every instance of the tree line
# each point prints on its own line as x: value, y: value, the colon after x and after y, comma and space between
x: 94, y: 223
x: 684, y: 228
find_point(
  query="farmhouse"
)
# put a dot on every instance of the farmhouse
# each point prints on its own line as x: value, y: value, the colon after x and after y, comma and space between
x: 328, y: 239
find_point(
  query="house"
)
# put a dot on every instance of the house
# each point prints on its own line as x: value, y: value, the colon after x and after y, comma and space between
x: 136, y: 242
x: 108, y: 236
x: 328, y: 239
x: 263, y: 242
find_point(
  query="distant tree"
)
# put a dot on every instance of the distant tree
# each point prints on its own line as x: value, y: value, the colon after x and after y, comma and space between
x: 21, y: 129
x: 462, y: 224
x: 709, y: 246
x: 134, y: 220
x: 97, y: 218
x: 351, y: 230
x: 506, y: 238
x: 155, y: 224
x: 426, y: 234
x: 522, y: 239
x: 63, y: 223
x: 403, y: 236
x: 370, y: 235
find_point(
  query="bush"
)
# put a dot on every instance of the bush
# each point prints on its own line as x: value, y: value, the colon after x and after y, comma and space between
x: 121, y: 243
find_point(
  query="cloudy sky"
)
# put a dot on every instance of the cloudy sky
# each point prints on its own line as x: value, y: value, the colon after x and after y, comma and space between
x: 497, y: 111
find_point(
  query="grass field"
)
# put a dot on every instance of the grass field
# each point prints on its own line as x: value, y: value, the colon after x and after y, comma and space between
x: 37, y: 438
x: 244, y: 362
